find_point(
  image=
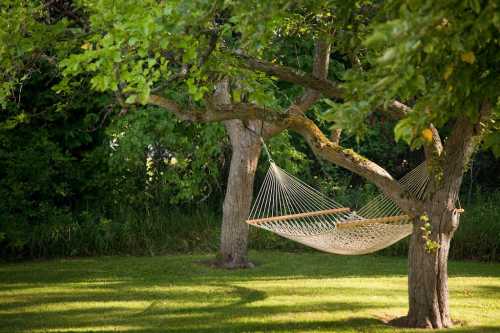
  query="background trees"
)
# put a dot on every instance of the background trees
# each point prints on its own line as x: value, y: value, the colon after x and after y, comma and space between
x: 432, y: 68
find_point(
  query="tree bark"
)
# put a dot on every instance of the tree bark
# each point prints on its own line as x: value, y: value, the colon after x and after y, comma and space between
x: 428, y: 276
x: 428, y: 267
x: 246, y: 148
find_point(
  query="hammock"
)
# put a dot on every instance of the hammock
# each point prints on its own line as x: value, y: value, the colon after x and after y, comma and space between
x: 292, y: 209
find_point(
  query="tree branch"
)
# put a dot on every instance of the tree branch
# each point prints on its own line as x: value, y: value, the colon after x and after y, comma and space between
x: 327, y: 87
x: 292, y: 75
x: 463, y: 140
x: 434, y: 148
x: 320, y: 70
x: 319, y: 143
x: 215, y: 113
x: 347, y: 158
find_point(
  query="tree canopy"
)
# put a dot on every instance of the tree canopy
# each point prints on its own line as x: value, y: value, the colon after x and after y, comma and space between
x: 308, y: 67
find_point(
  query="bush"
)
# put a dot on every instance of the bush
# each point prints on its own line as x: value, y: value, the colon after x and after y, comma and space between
x: 188, y: 229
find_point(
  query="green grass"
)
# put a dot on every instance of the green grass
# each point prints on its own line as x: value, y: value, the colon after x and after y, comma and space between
x: 311, y: 292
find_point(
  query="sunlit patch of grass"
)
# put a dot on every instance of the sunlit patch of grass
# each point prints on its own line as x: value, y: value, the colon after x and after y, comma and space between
x: 308, y: 292
x: 111, y: 328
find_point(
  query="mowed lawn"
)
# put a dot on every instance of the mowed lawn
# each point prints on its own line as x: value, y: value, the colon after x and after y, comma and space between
x: 312, y: 292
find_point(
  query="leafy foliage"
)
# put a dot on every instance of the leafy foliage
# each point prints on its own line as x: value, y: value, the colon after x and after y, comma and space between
x: 42, y: 179
x: 176, y: 162
x: 78, y: 179
x: 59, y: 176
x: 443, y: 56
x: 29, y: 37
x: 133, y: 46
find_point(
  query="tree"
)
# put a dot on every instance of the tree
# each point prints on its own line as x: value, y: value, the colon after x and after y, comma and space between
x: 433, y: 66
x: 43, y: 136
x: 239, y: 191
x: 61, y: 177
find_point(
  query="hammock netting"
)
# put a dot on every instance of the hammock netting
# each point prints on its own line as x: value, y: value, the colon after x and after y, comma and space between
x: 292, y: 209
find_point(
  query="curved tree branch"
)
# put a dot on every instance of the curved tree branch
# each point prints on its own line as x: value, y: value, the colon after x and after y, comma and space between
x: 319, y: 143
x: 323, y: 85
x: 348, y: 159
x: 320, y: 70
x: 292, y: 75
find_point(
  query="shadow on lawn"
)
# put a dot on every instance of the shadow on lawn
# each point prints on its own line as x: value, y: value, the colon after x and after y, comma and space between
x: 161, y: 315
x: 176, y: 294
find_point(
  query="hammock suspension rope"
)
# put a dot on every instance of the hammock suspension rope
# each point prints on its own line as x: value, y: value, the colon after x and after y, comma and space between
x: 292, y: 209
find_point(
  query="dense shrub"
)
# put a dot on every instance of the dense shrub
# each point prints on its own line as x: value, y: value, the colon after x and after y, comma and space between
x: 187, y: 230
x: 43, y: 140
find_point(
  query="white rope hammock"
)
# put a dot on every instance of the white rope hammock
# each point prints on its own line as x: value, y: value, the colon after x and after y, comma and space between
x: 292, y: 209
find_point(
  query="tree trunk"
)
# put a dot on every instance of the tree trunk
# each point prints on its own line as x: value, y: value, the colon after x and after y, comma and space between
x: 428, y: 268
x: 428, y: 283
x: 246, y: 148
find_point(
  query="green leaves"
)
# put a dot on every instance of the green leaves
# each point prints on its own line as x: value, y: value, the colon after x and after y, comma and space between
x: 131, y: 99
x: 405, y: 130
x: 26, y: 42
x: 492, y: 137
x: 178, y: 162
x: 349, y: 116
x: 196, y: 91
x: 436, y: 57
x: 431, y: 246
x: 133, y: 47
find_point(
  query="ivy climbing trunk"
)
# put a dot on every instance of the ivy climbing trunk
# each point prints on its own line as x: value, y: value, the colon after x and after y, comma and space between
x: 246, y: 148
x: 428, y: 278
x: 428, y: 265
x: 429, y: 249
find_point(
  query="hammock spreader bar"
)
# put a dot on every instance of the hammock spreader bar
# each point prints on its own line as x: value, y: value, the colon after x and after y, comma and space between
x: 300, y: 215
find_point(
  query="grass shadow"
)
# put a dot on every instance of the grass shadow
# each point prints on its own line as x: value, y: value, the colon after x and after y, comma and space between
x: 285, y: 293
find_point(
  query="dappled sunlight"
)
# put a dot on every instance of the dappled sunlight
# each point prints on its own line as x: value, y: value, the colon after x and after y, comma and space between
x: 116, y: 328
x: 174, y: 294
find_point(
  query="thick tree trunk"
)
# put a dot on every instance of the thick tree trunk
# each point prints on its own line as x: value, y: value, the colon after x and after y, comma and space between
x: 428, y: 267
x: 428, y: 282
x: 246, y: 148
